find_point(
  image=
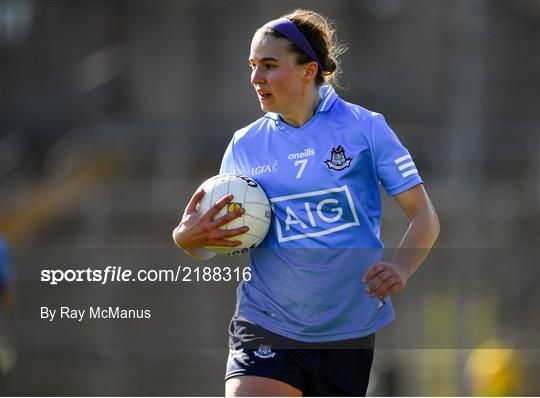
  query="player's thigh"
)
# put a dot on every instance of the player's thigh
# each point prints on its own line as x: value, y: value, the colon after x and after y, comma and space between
x: 257, y: 386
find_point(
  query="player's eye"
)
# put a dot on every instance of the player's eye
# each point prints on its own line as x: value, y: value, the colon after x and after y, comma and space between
x: 265, y: 66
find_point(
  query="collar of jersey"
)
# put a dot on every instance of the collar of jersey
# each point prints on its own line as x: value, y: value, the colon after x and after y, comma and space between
x: 328, y: 97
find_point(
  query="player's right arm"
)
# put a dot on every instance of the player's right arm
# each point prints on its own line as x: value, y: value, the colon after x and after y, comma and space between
x: 196, y: 231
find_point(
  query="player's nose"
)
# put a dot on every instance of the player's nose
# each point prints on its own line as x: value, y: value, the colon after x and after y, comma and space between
x: 257, y: 76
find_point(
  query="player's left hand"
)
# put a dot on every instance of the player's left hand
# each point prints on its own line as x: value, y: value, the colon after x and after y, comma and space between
x: 384, y: 279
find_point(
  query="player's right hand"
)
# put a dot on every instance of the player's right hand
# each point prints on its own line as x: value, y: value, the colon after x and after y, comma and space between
x: 197, y: 230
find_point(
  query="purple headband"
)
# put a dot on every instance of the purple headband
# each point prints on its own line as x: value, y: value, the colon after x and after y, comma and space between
x: 291, y: 32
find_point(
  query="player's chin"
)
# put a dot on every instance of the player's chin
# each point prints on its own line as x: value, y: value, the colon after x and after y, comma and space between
x: 266, y: 107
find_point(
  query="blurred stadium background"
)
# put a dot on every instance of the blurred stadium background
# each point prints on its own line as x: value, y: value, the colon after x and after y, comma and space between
x: 112, y: 113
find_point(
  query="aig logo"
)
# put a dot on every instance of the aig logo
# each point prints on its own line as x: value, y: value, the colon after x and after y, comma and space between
x: 313, y: 214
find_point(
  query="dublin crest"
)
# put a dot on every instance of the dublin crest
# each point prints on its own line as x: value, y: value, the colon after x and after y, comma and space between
x: 265, y: 351
x: 338, y: 160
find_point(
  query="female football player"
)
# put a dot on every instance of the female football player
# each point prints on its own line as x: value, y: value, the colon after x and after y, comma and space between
x: 305, y: 323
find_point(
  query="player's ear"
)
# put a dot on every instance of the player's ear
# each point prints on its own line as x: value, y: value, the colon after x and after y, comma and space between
x: 310, y: 70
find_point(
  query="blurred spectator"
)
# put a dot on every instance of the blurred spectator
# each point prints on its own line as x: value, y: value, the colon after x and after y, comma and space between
x: 7, y: 356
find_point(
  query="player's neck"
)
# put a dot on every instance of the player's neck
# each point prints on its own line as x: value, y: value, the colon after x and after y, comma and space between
x: 304, y: 111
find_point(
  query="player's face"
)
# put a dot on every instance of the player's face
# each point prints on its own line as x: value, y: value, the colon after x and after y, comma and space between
x: 275, y: 75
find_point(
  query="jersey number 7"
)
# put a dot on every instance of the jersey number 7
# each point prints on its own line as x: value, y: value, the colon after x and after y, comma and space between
x: 302, y: 163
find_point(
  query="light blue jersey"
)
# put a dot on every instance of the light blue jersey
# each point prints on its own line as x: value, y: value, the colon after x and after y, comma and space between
x: 323, y: 180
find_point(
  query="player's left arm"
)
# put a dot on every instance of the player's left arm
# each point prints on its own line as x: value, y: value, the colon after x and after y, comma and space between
x: 384, y: 279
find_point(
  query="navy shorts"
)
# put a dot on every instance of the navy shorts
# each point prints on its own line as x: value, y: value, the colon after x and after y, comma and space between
x: 338, y: 368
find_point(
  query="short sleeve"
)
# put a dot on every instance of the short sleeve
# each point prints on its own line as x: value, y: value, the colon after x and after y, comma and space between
x: 394, y: 164
x: 227, y: 164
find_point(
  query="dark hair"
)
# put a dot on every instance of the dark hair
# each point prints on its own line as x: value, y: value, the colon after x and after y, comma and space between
x: 321, y: 36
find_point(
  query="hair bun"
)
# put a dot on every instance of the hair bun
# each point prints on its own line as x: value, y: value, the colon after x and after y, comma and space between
x: 320, y: 34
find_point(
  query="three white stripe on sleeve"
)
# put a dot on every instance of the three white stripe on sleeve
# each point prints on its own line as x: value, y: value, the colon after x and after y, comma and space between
x: 406, y: 163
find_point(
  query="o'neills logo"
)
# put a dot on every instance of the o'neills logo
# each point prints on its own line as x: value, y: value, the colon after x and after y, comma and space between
x: 300, y: 155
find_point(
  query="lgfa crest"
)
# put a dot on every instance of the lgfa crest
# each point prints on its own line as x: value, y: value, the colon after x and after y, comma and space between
x: 338, y: 160
x: 265, y: 351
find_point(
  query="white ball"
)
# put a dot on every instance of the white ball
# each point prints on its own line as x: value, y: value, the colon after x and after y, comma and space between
x: 246, y: 194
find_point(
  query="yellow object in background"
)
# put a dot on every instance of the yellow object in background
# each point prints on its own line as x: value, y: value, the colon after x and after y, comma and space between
x: 494, y: 371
